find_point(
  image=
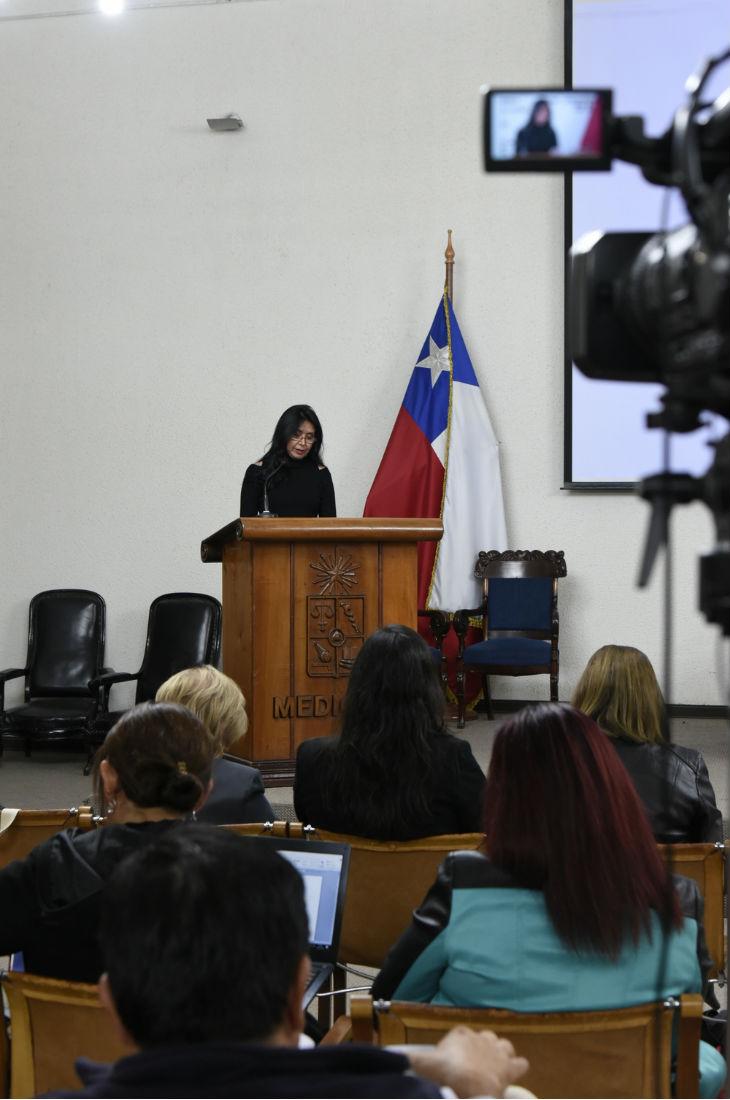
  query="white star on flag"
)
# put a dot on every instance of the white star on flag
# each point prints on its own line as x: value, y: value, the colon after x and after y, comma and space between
x: 436, y: 361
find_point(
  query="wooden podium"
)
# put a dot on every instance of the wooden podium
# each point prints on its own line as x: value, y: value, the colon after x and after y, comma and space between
x: 299, y: 598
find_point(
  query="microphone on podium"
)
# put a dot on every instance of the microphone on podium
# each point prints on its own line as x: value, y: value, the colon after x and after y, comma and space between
x: 266, y: 511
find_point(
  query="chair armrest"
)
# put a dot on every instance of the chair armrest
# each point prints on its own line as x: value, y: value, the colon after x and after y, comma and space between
x: 340, y: 1032
x: 12, y: 674
x: 461, y: 620
x: 5, y: 675
x: 108, y: 678
x: 102, y: 685
x: 440, y: 623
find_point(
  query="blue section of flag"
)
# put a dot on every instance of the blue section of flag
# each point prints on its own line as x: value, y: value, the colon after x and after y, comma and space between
x: 463, y: 370
x: 427, y: 404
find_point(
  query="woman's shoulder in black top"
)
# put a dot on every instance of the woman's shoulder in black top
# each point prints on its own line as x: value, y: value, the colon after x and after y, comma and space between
x: 301, y: 488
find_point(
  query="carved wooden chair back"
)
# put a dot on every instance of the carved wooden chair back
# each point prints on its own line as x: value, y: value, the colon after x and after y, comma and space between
x: 705, y: 863
x: 53, y: 1023
x: 617, y: 1053
x: 22, y: 830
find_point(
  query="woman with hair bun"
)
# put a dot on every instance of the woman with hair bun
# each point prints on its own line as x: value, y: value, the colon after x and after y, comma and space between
x: 152, y: 771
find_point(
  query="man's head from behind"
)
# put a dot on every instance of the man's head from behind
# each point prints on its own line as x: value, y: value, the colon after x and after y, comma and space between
x: 204, y: 937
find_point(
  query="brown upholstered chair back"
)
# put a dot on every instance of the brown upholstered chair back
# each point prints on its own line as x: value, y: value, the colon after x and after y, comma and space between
x: 387, y: 881
x: 705, y: 863
x: 53, y: 1023
x: 623, y: 1052
x: 22, y: 830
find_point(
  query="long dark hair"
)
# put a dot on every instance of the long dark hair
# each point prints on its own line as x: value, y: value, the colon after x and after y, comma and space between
x: 383, y: 766
x: 286, y: 426
x: 536, y: 107
x: 562, y: 816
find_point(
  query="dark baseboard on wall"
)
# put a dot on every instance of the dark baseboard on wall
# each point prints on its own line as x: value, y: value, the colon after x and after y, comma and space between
x: 696, y: 710
x: 676, y: 710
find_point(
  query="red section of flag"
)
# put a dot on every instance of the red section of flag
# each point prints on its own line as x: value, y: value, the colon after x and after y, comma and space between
x: 409, y: 482
x: 592, y: 140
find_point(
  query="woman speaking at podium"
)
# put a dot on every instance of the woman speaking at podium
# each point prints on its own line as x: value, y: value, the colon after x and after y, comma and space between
x: 290, y: 479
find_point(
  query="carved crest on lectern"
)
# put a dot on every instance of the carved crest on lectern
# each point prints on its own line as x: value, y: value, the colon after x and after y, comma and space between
x: 335, y: 634
x: 336, y: 616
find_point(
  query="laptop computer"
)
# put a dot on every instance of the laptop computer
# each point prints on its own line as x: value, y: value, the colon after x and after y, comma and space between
x: 324, y: 867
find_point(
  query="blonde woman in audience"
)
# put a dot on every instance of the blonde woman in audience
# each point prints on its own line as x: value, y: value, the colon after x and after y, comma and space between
x: 238, y: 790
x: 618, y: 689
x: 152, y: 772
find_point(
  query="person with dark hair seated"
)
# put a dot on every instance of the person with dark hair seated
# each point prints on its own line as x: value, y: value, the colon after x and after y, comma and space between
x: 151, y: 772
x: 394, y: 772
x: 618, y: 689
x: 205, y: 940
x: 572, y: 909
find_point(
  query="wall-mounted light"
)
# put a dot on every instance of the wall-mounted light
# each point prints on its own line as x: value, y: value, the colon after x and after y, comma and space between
x: 230, y: 122
x: 111, y: 7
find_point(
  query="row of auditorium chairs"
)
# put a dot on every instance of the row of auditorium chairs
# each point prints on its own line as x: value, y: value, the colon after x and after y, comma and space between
x: 624, y: 1052
x: 44, y: 1045
x: 402, y: 870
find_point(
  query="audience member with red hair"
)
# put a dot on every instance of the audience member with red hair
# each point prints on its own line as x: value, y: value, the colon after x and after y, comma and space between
x: 572, y: 908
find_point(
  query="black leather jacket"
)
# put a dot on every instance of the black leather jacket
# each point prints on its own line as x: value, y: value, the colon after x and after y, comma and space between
x: 675, y: 788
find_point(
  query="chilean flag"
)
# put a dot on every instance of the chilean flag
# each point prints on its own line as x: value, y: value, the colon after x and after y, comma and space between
x: 442, y: 459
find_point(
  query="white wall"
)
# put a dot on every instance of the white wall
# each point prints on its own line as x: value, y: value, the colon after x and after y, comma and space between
x: 166, y: 291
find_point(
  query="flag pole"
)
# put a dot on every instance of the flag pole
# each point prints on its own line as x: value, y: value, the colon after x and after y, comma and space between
x: 449, y: 256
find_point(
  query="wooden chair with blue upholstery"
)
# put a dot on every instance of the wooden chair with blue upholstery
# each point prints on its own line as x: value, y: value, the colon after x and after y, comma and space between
x: 519, y: 611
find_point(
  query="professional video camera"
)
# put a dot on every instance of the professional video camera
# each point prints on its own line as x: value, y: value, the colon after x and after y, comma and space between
x: 646, y: 307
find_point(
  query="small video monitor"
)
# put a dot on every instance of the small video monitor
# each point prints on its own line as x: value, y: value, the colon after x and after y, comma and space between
x: 547, y: 129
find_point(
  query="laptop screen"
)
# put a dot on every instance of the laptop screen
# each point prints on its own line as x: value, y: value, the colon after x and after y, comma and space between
x: 321, y: 872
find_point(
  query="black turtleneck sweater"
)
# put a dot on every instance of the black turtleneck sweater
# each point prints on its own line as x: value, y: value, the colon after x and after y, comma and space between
x: 301, y: 488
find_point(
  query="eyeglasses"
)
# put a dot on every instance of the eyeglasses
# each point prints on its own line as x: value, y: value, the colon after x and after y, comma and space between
x: 307, y: 437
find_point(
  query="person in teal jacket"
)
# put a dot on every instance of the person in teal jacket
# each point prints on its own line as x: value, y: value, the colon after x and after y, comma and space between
x: 572, y: 907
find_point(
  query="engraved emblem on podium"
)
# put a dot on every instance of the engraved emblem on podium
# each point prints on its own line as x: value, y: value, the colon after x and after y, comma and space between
x: 335, y: 634
x: 335, y: 574
x: 335, y: 617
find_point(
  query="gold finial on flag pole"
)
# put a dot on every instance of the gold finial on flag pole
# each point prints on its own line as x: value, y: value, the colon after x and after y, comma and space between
x: 449, y: 255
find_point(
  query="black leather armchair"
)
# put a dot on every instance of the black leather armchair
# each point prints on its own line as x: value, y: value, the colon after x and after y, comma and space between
x: 183, y: 630
x: 66, y: 628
